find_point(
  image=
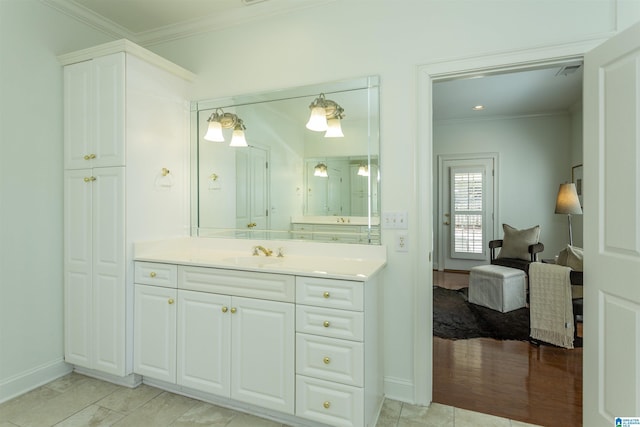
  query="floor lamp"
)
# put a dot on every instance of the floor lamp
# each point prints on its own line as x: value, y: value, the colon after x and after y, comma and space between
x: 568, y: 203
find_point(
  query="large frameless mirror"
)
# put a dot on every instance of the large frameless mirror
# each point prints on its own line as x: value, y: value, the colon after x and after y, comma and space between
x: 263, y: 173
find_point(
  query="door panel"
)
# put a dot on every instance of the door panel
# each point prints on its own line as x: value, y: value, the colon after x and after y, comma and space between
x: 612, y: 230
x: 262, y: 352
x: 204, y: 341
x: 154, y: 348
x: 462, y: 257
x: 77, y: 265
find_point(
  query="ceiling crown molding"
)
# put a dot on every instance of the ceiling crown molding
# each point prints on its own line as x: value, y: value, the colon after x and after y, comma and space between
x: 90, y: 18
x: 207, y: 23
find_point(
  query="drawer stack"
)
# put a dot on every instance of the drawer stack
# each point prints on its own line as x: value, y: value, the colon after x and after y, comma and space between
x: 330, y: 364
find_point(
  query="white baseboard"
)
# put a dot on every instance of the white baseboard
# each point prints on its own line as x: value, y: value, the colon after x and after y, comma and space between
x: 131, y: 380
x: 399, y: 389
x: 26, y: 381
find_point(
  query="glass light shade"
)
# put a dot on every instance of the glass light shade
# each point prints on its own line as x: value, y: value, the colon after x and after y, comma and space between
x: 334, y: 129
x: 321, y: 170
x: 363, y: 170
x: 238, y: 139
x: 214, y: 132
x: 318, y: 120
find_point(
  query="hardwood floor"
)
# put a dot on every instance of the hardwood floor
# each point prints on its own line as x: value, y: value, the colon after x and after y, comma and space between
x: 513, y: 379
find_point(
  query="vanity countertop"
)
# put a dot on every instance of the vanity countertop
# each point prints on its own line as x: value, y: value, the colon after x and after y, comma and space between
x: 337, y: 261
x: 336, y: 220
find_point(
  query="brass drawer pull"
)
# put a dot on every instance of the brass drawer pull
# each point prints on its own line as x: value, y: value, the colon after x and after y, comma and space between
x: 326, y: 404
x: 225, y: 309
x: 171, y: 301
x: 326, y: 360
x: 233, y: 310
x: 152, y: 274
x: 326, y: 324
x: 326, y: 294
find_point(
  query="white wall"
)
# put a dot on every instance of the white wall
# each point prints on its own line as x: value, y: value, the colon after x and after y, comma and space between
x: 534, y: 158
x: 346, y: 39
x: 31, y: 334
x: 342, y: 39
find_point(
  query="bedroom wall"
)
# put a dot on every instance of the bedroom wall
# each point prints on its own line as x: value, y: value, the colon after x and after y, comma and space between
x: 534, y: 158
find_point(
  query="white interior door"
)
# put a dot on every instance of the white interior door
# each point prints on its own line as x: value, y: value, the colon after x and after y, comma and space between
x: 252, y: 192
x: 467, y: 211
x: 612, y: 230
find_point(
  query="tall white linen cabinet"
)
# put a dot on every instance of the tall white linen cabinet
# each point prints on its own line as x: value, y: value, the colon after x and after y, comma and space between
x: 126, y: 160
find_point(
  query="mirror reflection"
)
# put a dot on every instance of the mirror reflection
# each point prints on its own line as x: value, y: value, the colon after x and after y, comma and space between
x: 299, y: 163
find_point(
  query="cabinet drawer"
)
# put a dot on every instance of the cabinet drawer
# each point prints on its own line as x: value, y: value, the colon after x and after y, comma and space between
x: 330, y: 359
x: 330, y: 322
x: 331, y: 293
x: 152, y: 273
x: 276, y: 287
x: 329, y: 403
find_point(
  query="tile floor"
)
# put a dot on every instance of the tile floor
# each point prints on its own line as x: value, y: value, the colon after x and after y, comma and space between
x: 77, y: 400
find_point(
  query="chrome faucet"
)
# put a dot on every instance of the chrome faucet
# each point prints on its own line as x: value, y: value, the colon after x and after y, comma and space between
x: 265, y: 251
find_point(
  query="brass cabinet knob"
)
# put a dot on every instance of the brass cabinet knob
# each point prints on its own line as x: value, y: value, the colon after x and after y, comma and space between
x: 171, y: 301
x: 233, y: 310
x: 89, y: 178
x: 152, y: 274
x: 326, y: 324
x: 89, y: 156
x: 326, y: 360
x: 225, y: 309
x: 326, y: 404
x: 326, y: 295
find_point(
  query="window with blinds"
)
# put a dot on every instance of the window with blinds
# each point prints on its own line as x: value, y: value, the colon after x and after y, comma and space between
x: 467, y: 217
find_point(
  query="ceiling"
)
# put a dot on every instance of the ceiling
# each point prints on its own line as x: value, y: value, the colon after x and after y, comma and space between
x: 540, y: 91
x: 537, y: 91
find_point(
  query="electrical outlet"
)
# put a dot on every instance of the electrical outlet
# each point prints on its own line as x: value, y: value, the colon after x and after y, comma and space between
x: 402, y: 241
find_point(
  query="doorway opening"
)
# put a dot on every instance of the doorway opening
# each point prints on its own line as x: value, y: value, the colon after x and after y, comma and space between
x: 429, y: 77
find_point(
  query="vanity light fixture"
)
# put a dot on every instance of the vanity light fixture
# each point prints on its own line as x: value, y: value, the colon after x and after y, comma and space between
x: 363, y: 170
x: 321, y: 170
x: 478, y: 107
x: 325, y: 117
x: 219, y: 120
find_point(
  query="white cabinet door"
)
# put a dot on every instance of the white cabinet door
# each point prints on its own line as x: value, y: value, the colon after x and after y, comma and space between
x: 262, y: 353
x: 78, y: 257
x: 108, y: 278
x: 154, y: 349
x: 204, y: 341
x: 94, y: 104
x: 94, y: 269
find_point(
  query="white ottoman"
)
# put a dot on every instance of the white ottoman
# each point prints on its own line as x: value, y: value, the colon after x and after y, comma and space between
x: 497, y: 287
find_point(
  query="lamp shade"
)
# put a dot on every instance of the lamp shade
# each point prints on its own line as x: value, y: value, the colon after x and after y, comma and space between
x: 237, y: 138
x: 567, y: 201
x: 214, y: 132
x: 334, y: 129
x: 318, y: 119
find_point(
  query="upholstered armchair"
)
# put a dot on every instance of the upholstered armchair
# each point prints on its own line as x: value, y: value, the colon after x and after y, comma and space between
x: 518, y: 248
x: 519, y: 263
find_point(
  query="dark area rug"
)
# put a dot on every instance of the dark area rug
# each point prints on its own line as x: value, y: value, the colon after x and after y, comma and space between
x: 455, y: 318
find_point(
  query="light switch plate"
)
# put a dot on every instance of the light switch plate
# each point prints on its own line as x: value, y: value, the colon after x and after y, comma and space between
x: 395, y: 220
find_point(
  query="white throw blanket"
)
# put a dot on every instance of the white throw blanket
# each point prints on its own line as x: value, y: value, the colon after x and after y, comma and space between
x: 551, y: 308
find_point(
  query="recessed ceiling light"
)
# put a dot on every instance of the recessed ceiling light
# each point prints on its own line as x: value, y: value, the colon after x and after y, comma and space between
x: 478, y: 107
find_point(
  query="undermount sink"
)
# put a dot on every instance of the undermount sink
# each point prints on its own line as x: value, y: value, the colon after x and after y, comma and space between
x: 252, y: 261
